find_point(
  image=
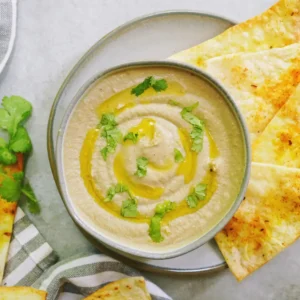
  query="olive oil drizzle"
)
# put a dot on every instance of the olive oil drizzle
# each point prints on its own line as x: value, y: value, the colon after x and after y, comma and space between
x: 117, y: 104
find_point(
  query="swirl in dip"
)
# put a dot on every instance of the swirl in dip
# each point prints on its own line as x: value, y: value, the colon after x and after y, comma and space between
x: 153, y: 158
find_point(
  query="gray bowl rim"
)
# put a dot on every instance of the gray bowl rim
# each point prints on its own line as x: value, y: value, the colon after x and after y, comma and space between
x: 120, y: 248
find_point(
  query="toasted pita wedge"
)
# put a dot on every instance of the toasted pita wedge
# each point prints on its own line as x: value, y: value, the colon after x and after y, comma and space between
x: 277, y: 27
x: 267, y: 221
x: 259, y: 82
x: 21, y: 293
x: 280, y: 142
x: 7, y: 216
x: 123, y: 289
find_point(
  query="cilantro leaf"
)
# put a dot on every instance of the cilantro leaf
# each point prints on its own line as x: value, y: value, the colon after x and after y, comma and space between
x: 178, y: 156
x: 7, y: 157
x: 197, y: 132
x: 32, y: 202
x: 192, y: 200
x: 192, y: 119
x: 18, y: 175
x: 132, y: 137
x: 3, y: 143
x: 104, y: 152
x: 15, y: 111
x: 116, y: 189
x: 197, y: 135
x: 200, y: 191
x: 155, y: 223
x: 110, y: 194
x: 155, y: 229
x: 10, y: 189
x: 142, y: 87
x: 108, y: 119
x: 20, y: 142
x: 110, y: 132
x: 173, y: 103
x: 129, y: 208
x: 141, y: 163
x: 197, y: 195
x: 163, y: 208
x: 160, y: 85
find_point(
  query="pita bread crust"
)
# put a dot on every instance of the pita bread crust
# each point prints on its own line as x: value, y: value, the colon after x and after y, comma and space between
x: 7, y: 216
x: 124, y: 289
x: 21, y: 293
x: 259, y: 82
x: 277, y: 27
x: 267, y: 221
x: 279, y: 143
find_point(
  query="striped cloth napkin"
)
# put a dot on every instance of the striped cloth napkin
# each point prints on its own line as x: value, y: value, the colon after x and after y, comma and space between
x: 32, y: 262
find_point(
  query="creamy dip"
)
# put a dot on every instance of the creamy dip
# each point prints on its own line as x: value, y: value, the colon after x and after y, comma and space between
x: 156, y: 118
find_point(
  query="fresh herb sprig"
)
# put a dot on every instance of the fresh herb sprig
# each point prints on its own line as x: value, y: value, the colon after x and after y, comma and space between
x: 198, y: 194
x: 131, y: 136
x: 197, y: 132
x: 157, y: 84
x: 115, y: 189
x: 141, y: 164
x: 110, y: 132
x: 14, y: 112
x: 155, y: 223
x: 129, y: 206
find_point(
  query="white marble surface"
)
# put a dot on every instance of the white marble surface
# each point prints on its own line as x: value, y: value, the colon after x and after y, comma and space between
x: 51, y: 37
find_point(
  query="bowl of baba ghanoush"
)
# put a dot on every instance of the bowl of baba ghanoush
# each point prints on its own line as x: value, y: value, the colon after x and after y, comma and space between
x: 153, y: 158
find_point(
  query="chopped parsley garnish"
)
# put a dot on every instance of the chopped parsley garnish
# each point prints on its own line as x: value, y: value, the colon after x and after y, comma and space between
x: 129, y: 208
x: 131, y: 136
x: 178, y: 156
x: 32, y: 202
x: 116, y: 189
x: 197, y: 132
x: 155, y: 223
x: 197, y: 195
x: 173, y: 103
x: 158, y: 85
x: 141, y: 164
x: 110, y: 132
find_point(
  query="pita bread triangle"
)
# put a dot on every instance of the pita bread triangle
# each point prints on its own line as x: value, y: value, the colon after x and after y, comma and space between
x: 277, y: 27
x: 7, y: 216
x: 279, y: 143
x: 267, y: 221
x: 259, y: 82
x: 127, y: 288
x: 21, y: 293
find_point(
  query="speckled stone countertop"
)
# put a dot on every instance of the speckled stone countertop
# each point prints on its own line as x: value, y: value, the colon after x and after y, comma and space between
x: 51, y: 37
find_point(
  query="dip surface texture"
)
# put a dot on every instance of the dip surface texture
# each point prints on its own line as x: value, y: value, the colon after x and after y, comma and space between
x: 148, y: 164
